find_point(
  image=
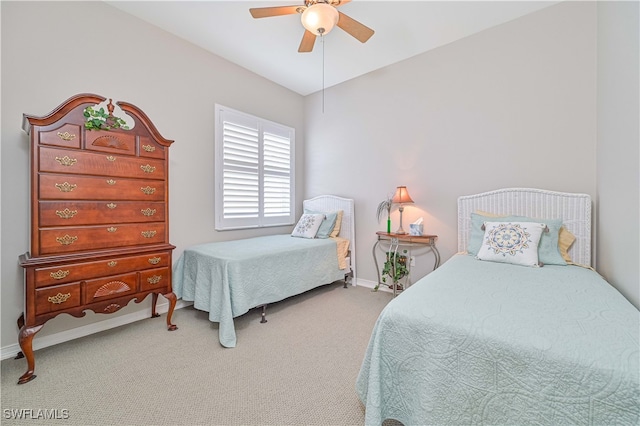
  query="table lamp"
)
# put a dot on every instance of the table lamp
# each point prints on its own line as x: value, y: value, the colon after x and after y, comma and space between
x: 401, y: 197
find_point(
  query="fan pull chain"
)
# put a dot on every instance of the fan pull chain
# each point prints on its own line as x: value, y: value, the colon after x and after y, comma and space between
x: 322, y: 40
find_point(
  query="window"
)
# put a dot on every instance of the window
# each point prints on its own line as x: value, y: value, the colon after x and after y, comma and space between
x: 254, y: 171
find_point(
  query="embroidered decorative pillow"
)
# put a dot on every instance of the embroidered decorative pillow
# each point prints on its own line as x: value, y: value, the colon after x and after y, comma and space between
x: 549, y: 248
x: 308, y: 225
x: 511, y: 242
x: 327, y: 225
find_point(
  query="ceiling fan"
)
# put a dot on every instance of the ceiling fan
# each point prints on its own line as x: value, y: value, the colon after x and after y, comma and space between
x: 318, y: 18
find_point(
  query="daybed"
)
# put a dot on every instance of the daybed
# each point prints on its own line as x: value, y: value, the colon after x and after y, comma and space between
x: 227, y: 279
x: 487, y: 342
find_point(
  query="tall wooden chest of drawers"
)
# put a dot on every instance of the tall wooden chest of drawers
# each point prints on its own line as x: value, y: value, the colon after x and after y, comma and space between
x: 99, y: 214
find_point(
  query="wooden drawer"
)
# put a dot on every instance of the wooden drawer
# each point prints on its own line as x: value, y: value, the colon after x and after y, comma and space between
x: 69, y: 213
x: 57, y: 298
x: 88, y: 270
x: 75, y: 187
x: 91, y: 163
x: 148, y: 148
x: 155, y: 279
x: 72, y: 239
x: 113, y: 141
x: 110, y: 287
x: 68, y: 135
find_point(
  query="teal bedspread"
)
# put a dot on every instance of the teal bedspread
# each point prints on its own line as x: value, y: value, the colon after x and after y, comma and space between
x: 476, y: 343
x: 228, y: 278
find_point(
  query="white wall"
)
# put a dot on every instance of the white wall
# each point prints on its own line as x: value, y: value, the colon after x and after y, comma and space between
x: 53, y: 50
x: 618, y: 152
x: 512, y: 106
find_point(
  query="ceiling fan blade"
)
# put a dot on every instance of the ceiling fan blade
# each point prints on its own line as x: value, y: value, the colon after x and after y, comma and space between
x: 354, y: 28
x: 266, y: 12
x: 308, y: 40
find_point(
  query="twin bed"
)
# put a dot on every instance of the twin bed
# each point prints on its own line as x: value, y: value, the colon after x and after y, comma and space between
x: 488, y: 342
x: 227, y: 279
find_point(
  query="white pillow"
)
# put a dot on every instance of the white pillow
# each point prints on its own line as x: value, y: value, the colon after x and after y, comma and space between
x: 308, y: 225
x: 511, y: 242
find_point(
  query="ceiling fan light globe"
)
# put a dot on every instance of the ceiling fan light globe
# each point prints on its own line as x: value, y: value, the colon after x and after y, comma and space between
x: 320, y: 18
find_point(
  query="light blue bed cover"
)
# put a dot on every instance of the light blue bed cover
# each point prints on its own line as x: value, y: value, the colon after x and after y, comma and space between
x: 488, y: 343
x: 228, y: 278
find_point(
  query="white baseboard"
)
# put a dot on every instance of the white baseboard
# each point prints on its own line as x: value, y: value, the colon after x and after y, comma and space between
x: 64, y: 336
x: 372, y: 285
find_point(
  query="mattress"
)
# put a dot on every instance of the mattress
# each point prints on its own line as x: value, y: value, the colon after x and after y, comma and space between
x: 226, y: 279
x: 489, y: 343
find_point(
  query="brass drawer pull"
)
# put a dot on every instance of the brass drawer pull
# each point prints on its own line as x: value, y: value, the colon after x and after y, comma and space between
x: 148, y: 190
x: 59, y: 298
x: 66, y: 240
x: 148, y: 168
x: 66, y: 187
x: 154, y: 260
x: 112, y: 229
x: 111, y: 158
x: 112, y: 206
x: 59, y: 274
x: 66, y: 136
x: 66, y: 161
x: 148, y: 212
x: 66, y: 213
x: 112, y: 263
x: 154, y: 279
x: 111, y: 182
x: 149, y: 234
x: 148, y: 148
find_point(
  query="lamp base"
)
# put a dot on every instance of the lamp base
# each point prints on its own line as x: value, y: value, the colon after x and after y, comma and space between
x: 401, y: 231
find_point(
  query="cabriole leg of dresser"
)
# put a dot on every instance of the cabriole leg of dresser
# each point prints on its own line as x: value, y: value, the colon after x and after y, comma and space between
x: 25, y: 338
x: 20, y: 355
x: 154, y: 300
x: 171, y: 297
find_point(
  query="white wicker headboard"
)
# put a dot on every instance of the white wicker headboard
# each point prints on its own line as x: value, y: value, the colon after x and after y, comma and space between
x: 332, y: 203
x: 573, y: 209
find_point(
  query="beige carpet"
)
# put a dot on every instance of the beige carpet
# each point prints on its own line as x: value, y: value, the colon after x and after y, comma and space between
x: 299, y: 368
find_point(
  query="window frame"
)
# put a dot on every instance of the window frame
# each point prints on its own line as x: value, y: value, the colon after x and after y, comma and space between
x: 262, y: 126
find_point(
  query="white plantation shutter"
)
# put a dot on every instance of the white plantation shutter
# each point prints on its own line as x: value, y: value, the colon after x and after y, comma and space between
x: 241, y: 172
x: 277, y: 175
x: 254, y: 171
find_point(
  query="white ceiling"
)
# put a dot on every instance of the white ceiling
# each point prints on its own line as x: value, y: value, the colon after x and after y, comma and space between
x: 269, y: 46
